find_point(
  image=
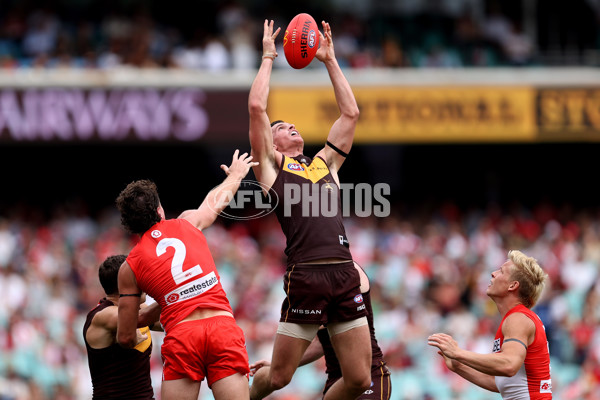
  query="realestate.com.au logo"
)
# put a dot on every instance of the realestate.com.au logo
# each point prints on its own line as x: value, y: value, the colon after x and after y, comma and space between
x: 254, y: 200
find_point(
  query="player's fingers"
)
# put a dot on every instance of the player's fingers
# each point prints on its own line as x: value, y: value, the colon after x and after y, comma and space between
x: 235, y: 154
x: 276, y: 32
x: 225, y: 168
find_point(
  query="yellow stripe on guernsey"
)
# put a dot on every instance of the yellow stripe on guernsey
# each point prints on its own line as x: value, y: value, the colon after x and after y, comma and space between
x: 314, y: 172
x: 143, y: 346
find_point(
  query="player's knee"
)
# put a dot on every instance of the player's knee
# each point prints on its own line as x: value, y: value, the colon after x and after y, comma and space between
x: 279, y: 381
x: 358, y: 383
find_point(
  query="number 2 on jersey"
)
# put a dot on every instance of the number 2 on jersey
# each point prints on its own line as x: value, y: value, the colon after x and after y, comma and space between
x: 177, y: 263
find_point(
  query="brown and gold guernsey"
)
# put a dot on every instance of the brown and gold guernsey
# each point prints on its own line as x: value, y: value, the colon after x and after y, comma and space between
x: 117, y: 372
x: 310, y: 211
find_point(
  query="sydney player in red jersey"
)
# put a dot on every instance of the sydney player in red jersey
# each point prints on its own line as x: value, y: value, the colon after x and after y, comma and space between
x: 173, y: 264
x: 519, y: 365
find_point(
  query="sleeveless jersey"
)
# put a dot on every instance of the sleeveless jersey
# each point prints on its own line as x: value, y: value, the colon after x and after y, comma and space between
x: 532, y: 382
x: 332, y: 365
x: 310, y: 211
x: 117, y: 372
x: 173, y: 264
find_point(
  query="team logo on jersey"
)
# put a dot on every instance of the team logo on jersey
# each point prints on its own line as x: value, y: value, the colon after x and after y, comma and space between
x: 358, y: 298
x: 156, y: 233
x: 172, y: 298
x: 496, y: 347
x: 546, y: 386
x: 295, y: 167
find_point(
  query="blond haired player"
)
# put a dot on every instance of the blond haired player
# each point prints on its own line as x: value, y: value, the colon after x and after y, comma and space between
x: 519, y: 365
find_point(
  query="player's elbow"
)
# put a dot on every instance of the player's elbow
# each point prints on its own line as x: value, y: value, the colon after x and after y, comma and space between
x: 126, y: 339
x: 256, y: 106
x: 509, y: 370
x: 352, y: 114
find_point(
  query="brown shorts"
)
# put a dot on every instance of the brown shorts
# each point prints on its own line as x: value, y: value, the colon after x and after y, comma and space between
x: 322, y: 293
x: 381, y: 385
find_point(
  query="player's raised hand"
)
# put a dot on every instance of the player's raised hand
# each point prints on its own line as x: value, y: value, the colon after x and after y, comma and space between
x: 240, y: 165
x: 269, y: 37
x: 326, y: 51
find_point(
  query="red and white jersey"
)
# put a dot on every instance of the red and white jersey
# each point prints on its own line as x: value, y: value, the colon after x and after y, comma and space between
x: 532, y: 382
x: 173, y: 264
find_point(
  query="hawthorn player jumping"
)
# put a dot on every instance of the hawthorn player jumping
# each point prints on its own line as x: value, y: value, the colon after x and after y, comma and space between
x: 322, y: 283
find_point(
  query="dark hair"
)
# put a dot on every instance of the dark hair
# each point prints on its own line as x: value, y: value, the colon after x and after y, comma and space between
x: 108, y: 273
x: 138, y: 204
x: 276, y: 122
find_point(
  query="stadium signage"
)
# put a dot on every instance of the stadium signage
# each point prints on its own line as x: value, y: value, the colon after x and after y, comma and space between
x: 569, y: 111
x: 429, y: 114
x: 119, y: 114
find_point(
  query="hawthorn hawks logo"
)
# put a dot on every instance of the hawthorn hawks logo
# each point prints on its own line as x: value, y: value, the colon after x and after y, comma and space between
x: 173, y: 297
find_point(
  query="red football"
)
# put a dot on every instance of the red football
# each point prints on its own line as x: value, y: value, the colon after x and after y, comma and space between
x: 301, y: 41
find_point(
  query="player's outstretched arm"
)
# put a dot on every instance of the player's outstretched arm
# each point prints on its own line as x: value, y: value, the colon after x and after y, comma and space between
x: 218, y: 198
x: 517, y: 330
x: 341, y: 134
x: 261, y: 138
x: 480, y: 379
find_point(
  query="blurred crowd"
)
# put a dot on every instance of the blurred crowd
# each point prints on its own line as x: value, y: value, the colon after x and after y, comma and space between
x: 226, y: 35
x: 428, y: 270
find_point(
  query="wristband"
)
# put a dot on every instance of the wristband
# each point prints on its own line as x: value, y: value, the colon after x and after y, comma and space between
x: 269, y: 55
